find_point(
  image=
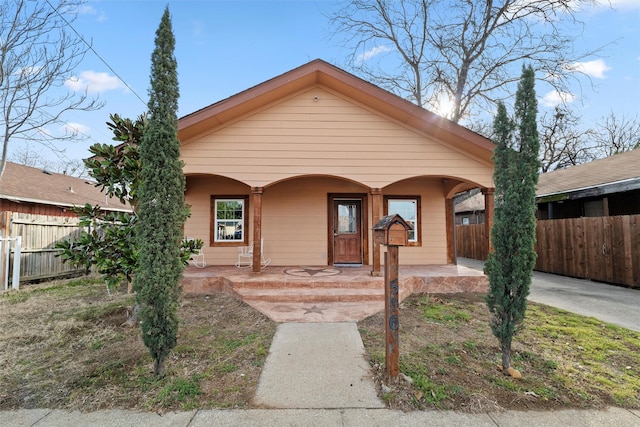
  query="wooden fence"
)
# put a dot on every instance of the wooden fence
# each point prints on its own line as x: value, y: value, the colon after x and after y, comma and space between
x: 605, y: 249
x: 470, y: 241
x: 39, y: 235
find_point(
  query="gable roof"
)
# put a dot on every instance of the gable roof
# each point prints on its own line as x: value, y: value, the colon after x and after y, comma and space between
x: 26, y: 184
x: 615, y: 169
x: 319, y: 72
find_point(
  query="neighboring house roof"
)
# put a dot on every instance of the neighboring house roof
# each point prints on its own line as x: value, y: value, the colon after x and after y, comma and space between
x: 620, y: 172
x: 471, y: 204
x: 26, y: 184
x: 322, y: 73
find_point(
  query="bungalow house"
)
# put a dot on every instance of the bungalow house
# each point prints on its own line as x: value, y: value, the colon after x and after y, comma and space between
x: 309, y: 161
x: 469, y: 208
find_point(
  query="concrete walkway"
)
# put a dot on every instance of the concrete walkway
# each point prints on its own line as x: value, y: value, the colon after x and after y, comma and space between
x: 609, y: 303
x: 317, y: 365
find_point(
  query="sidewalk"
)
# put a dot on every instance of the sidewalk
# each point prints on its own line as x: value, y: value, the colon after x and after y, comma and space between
x: 319, y: 418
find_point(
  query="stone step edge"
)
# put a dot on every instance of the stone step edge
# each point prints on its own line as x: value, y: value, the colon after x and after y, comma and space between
x: 314, y: 295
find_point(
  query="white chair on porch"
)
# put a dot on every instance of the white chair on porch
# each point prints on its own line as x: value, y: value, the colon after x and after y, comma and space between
x: 245, y: 256
x: 197, y: 258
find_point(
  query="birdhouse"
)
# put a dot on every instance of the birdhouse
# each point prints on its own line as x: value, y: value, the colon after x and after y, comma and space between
x: 392, y: 230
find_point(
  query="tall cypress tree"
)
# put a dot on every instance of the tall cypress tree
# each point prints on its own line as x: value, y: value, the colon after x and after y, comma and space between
x: 161, y: 205
x: 516, y: 169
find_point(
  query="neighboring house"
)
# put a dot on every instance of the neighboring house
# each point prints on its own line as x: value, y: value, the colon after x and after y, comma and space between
x: 36, y: 205
x: 29, y: 190
x: 469, y: 208
x: 605, y: 187
x: 309, y: 161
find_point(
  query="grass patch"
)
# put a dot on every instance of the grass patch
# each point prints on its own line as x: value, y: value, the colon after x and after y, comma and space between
x: 447, y: 348
x: 179, y: 392
x: 65, y: 347
x: 439, y: 311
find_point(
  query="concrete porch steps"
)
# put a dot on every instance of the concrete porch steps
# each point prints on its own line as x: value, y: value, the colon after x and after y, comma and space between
x: 302, y: 294
x: 325, y: 302
x: 325, y: 294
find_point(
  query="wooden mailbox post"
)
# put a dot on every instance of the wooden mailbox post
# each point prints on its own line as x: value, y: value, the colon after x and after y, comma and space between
x: 391, y: 231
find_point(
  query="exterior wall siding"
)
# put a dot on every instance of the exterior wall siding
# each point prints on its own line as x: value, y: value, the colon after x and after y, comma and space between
x: 295, y: 222
x: 331, y: 136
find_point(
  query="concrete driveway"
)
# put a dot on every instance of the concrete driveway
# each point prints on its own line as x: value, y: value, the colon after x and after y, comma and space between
x: 612, y: 304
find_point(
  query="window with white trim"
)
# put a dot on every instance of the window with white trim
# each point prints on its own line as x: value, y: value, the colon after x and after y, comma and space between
x: 409, y: 209
x: 229, y: 219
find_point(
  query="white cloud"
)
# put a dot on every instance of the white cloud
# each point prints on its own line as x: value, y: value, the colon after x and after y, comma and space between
x: 75, y: 128
x: 619, y: 4
x: 554, y: 98
x: 372, y: 52
x: 93, y: 82
x: 85, y: 9
x: 595, y: 68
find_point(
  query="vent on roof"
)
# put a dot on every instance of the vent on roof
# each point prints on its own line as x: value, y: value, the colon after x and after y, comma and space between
x: 48, y: 172
x: 71, y: 190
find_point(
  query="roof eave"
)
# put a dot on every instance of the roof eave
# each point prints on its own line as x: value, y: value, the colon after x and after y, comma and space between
x: 59, y: 204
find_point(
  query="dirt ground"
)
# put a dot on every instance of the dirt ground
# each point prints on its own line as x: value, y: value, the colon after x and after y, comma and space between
x: 65, y: 346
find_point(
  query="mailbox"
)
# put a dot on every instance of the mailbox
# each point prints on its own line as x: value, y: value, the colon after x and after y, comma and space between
x: 392, y: 230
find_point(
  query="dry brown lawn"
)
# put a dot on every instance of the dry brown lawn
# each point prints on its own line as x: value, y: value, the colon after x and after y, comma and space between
x: 64, y: 345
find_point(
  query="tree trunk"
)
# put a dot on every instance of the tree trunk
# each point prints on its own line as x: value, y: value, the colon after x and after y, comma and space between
x: 158, y: 367
x: 506, y: 356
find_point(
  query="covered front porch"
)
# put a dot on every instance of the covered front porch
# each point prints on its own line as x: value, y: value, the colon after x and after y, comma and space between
x: 326, y: 293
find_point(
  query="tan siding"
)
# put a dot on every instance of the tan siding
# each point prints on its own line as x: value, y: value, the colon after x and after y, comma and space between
x: 294, y: 218
x: 198, y: 196
x: 333, y: 136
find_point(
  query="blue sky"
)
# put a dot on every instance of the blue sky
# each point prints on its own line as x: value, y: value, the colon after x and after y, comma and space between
x: 225, y: 47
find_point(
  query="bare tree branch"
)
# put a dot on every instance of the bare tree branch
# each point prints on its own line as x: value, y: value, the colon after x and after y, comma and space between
x: 562, y: 142
x: 38, y: 54
x: 470, y: 51
x: 616, y: 134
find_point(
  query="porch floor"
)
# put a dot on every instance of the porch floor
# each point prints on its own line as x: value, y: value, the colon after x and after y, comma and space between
x: 326, y: 293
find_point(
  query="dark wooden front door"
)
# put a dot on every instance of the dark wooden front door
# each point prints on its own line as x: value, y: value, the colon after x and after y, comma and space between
x: 347, y: 231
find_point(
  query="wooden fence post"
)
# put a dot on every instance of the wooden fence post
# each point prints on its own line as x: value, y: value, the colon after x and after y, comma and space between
x: 5, y: 231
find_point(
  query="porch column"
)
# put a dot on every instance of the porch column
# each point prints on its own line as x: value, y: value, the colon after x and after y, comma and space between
x: 450, y: 230
x: 256, y: 201
x: 377, y: 212
x: 488, y: 216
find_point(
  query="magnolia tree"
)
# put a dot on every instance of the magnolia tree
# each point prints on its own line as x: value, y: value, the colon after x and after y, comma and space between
x: 108, y: 246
